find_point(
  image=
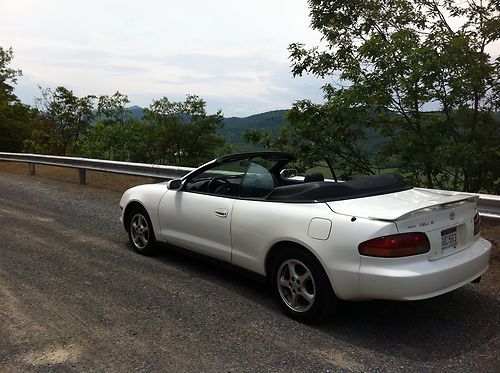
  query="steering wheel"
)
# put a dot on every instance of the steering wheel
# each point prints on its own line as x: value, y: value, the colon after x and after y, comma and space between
x: 212, y: 183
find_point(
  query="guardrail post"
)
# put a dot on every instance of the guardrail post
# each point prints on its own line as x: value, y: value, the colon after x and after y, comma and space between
x: 31, y: 168
x: 82, y: 174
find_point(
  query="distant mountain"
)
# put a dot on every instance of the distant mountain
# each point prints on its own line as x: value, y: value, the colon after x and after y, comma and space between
x: 234, y: 127
x: 136, y: 112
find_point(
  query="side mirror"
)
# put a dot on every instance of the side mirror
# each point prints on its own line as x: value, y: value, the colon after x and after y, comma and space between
x: 288, y: 173
x: 174, y: 184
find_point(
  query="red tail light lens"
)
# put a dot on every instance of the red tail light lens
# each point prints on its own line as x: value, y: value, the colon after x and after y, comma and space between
x: 477, y: 224
x: 395, y: 246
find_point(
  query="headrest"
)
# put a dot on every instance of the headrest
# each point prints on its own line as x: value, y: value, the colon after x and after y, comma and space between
x: 318, y: 176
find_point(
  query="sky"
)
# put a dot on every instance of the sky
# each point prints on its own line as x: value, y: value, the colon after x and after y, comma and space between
x: 233, y: 54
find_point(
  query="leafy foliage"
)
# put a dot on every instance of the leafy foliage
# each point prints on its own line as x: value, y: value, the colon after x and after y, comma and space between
x: 179, y: 133
x: 186, y: 135
x: 7, y: 74
x: 130, y: 140
x: 112, y: 109
x: 396, y: 57
x: 234, y: 128
x: 64, y: 120
x: 319, y: 134
x: 15, y: 118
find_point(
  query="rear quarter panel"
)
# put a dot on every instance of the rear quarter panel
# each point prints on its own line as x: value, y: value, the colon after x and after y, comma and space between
x: 257, y: 226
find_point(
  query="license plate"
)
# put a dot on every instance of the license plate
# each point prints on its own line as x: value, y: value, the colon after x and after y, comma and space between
x: 449, y: 238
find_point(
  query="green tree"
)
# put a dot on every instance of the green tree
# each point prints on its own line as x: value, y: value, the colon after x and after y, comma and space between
x: 112, y: 108
x: 65, y: 119
x: 394, y: 57
x: 132, y: 141
x: 185, y: 134
x: 179, y: 133
x: 319, y: 135
x: 107, y: 138
x: 15, y: 117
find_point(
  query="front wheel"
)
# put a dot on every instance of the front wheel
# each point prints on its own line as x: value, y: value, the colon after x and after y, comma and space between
x: 140, y: 232
x: 301, y: 285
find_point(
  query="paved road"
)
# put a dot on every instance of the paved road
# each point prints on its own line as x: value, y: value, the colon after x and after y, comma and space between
x: 73, y: 296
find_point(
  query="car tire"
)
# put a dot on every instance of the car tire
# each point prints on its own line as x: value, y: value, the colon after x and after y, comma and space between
x: 301, y: 286
x: 140, y: 231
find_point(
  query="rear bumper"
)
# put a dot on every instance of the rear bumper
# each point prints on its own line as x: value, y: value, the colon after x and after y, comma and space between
x: 407, y: 279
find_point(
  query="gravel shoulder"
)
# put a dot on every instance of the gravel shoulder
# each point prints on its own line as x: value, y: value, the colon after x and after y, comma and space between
x: 75, y: 297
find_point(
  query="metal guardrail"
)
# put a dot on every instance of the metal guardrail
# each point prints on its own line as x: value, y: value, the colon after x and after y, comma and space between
x: 488, y: 205
x: 84, y: 164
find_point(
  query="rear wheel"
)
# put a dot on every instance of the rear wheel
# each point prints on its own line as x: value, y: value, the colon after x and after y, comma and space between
x: 301, y: 285
x: 140, y: 231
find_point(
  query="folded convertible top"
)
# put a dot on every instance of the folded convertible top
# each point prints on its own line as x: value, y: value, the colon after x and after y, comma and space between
x: 322, y: 191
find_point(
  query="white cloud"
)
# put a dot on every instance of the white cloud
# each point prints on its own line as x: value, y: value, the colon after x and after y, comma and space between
x: 231, y: 53
x: 223, y: 50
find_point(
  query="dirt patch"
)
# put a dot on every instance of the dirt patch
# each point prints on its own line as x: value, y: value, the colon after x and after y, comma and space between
x: 52, y: 356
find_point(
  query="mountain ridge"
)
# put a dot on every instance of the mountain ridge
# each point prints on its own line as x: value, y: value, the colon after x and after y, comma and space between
x: 234, y: 127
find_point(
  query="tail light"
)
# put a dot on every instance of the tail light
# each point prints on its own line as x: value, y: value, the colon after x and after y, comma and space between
x: 477, y: 224
x: 397, y: 245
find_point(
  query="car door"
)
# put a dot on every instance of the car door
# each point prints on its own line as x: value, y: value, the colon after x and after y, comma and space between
x: 198, y: 216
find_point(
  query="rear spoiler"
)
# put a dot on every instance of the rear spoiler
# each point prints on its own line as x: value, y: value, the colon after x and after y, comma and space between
x: 452, y: 201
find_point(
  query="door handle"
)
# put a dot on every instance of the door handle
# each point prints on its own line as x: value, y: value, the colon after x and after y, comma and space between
x: 221, y: 213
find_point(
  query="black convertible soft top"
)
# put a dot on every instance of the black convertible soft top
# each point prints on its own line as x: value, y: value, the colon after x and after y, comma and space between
x: 322, y: 191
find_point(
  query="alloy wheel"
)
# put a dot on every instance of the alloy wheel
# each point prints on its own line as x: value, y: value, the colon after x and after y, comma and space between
x: 296, y: 285
x: 139, y: 231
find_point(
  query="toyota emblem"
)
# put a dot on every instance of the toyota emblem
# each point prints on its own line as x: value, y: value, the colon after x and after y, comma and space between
x: 452, y: 215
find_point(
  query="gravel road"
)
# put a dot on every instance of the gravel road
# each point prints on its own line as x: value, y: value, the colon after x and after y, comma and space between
x: 75, y: 297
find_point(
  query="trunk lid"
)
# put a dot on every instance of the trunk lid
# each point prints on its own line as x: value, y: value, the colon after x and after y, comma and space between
x: 395, y: 206
x: 446, y: 217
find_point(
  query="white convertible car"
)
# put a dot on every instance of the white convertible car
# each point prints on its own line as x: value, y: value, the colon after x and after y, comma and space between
x: 316, y: 241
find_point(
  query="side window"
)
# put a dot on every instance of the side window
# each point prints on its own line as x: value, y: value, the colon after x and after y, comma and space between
x: 257, y: 183
x: 223, y: 180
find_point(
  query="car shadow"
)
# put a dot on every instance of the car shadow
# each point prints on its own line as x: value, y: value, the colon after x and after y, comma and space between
x: 427, y: 330
x: 236, y: 279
